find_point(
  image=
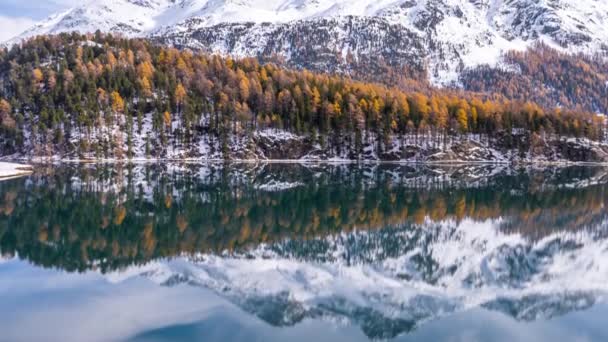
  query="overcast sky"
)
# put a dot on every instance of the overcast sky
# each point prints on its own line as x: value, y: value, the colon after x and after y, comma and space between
x: 18, y: 15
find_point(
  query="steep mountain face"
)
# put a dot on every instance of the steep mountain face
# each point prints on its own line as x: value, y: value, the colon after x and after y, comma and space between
x: 443, y: 37
x: 352, y: 45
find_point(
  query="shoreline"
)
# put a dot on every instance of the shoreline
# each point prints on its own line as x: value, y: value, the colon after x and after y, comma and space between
x: 13, y: 170
x: 27, y: 168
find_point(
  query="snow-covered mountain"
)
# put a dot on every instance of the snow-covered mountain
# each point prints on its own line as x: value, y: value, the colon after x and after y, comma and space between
x: 443, y: 36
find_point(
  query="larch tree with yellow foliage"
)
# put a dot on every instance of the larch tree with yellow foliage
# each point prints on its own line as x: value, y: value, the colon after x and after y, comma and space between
x: 117, y: 102
x: 180, y: 96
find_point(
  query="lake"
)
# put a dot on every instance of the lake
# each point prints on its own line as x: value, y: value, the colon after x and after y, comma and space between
x: 300, y: 252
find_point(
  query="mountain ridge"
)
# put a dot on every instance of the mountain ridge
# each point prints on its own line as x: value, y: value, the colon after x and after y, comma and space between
x: 455, y: 35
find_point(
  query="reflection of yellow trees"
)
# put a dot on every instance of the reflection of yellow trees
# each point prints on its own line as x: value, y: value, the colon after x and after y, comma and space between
x: 419, y: 215
x: 182, y: 223
x: 7, y: 206
x: 333, y: 212
x: 245, y: 232
x: 242, y: 222
x: 284, y: 222
x: 105, y: 222
x: 401, y: 216
x: 72, y: 235
x: 148, y: 239
x: 56, y: 232
x: 99, y: 244
x: 43, y: 233
x: 438, y: 210
x: 84, y: 251
x: 230, y: 220
x: 187, y: 244
x: 470, y: 208
x: 240, y: 212
x: 119, y: 216
x: 225, y: 219
x: 10, y: 196
x: 115, y: 249
x: 461, y: 206
x: 316, y: 222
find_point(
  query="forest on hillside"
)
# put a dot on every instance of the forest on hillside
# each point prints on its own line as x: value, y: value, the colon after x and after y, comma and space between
x: 548, y: 76
x: 93, y: 93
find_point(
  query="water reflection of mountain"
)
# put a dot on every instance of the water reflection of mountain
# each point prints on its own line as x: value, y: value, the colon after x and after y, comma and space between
x: 393, y: 280
x: 542, y: 306
x: 77, y: 218
x: 385, y: 247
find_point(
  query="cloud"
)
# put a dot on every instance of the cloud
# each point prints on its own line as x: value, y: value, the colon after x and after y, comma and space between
x: 68, y: 2
x: 18, y: 15
x: 35, y: 9
x: 11, y: 27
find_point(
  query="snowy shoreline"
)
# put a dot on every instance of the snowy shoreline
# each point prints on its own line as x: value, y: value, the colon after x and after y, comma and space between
x: 10, y: 170
x: 295, y: 161
x: 285, y: 147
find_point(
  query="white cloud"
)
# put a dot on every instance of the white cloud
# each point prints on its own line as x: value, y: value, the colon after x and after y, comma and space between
x: 10, y: 27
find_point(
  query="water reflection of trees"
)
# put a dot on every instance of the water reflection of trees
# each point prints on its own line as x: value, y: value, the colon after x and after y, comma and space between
x: 77, y: 218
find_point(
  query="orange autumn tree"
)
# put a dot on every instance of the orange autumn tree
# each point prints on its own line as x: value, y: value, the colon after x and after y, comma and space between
x: 210, y: 96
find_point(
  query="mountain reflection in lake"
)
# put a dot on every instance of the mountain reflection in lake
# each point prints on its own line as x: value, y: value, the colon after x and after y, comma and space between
x: 300, y: 252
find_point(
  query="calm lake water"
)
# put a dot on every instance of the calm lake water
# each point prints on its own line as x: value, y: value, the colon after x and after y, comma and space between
x: 278, y: 252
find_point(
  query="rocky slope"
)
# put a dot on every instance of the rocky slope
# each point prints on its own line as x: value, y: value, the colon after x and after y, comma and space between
x: 272, y: 144
x: 505, y: 149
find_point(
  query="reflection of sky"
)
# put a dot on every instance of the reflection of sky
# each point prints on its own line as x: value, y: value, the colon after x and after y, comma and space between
x: 37, y: 304
x: 482, y: 325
